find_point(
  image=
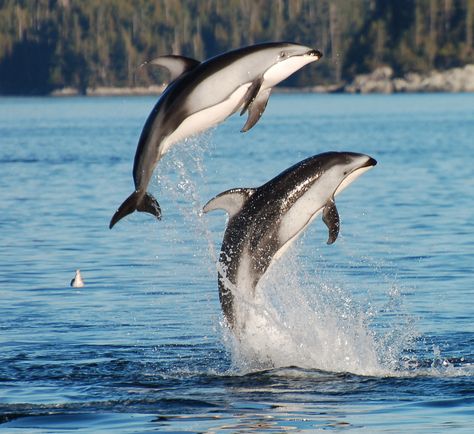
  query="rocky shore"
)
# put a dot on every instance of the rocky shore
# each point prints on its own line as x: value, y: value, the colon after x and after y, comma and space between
x: 382, y: 80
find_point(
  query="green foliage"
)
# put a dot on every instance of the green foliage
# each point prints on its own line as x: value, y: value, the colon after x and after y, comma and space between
x: 48, y: 44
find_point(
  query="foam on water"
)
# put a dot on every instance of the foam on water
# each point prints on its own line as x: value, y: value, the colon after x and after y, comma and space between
x: 316, y: 325
x: 287, y: 326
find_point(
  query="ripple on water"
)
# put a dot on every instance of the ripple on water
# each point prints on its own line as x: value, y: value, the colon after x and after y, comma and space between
x: 373, y: 333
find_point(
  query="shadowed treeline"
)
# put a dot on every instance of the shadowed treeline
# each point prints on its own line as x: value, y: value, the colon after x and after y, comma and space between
x: 51, y: 44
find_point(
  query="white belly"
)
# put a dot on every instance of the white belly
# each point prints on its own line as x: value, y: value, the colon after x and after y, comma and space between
x: 306, y: 208
x: 205, y: 119
x: 244, y: 281
x: 282, y: 70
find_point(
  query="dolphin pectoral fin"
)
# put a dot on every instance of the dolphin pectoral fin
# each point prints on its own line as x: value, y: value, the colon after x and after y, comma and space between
x: 147, y: 204
x: 256, y: 109
x: 230, y: 201
x: 176, y: 65
x: 250, y: 95
x: 331, y: 219
x: 150, y: 205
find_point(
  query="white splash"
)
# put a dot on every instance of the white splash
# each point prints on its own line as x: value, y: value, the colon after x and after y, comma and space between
x: 287, y: 326
x: 296, y: 318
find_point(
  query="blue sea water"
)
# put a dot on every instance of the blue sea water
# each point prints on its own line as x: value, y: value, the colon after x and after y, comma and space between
x: 372, y: 334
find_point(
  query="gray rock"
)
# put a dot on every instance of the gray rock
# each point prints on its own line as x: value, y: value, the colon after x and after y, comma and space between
x: 381, y: 80
x: 378, y: 81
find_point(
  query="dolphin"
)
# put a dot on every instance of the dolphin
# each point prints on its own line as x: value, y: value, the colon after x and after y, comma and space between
x: 203, y: 94
x: 264, y: 221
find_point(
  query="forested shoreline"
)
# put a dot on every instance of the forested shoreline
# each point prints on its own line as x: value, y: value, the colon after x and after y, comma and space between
x: 46, y: 45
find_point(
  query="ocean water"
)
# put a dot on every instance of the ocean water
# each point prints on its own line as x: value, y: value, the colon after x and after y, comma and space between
x: 372, y: 334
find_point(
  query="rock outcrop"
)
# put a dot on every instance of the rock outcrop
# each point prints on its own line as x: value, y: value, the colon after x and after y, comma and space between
x: 378, y: 81
x: 382, y: 80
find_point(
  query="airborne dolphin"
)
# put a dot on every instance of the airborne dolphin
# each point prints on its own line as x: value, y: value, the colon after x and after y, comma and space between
x: 202, y: 95
x: 264, y: 221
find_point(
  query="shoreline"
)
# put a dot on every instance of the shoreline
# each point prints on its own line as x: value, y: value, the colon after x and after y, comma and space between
x: 382, y: 81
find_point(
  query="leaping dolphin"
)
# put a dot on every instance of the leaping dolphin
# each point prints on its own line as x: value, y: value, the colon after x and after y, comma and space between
x: 264, y: 221
x: 200, y: 96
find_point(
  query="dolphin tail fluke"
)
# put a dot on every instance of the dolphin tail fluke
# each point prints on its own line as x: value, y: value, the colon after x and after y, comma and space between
x: 136, y: 201
x: 150, y: 205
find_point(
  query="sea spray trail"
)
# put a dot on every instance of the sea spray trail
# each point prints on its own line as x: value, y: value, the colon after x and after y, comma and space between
x: 183, y: 186
x: 184, y: 180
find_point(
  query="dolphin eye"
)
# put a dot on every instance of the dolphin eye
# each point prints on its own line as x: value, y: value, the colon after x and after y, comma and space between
x: 283, y: 54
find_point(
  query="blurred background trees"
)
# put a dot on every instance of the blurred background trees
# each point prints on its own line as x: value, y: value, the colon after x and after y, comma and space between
x: 50, y: 44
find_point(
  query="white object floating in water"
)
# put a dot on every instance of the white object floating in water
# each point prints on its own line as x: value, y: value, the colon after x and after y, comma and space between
x: 77, y: 282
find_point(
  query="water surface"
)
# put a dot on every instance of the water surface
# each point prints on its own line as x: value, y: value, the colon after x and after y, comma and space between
x: 373, y: 333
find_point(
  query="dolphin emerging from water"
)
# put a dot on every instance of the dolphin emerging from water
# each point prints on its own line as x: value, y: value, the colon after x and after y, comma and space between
x: 202, y: 95
x: 264, y: 221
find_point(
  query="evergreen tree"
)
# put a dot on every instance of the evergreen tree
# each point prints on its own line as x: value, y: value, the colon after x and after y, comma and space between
x: 48, y: 44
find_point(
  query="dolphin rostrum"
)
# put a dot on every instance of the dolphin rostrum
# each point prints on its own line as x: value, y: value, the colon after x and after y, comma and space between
x: 264, y: 221
x: 200, y: 96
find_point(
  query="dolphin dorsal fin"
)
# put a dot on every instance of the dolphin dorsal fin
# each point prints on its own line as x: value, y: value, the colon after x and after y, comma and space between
x: 176, y: 65
x: 230, y: 201
x: 331, y: 219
